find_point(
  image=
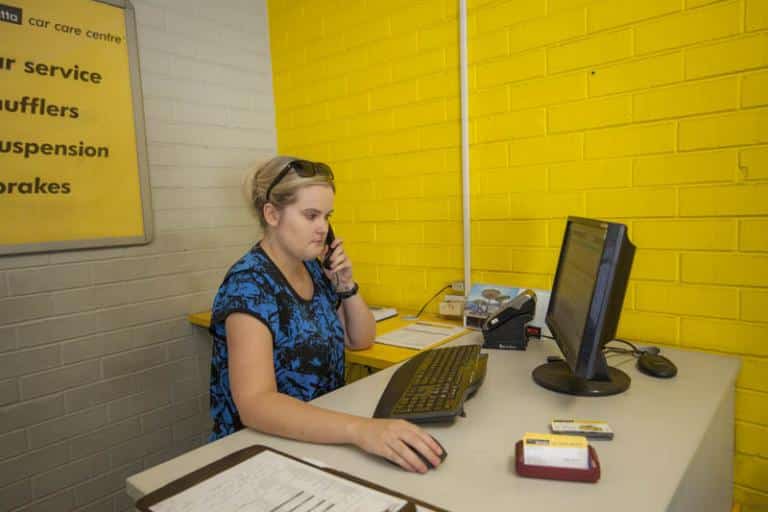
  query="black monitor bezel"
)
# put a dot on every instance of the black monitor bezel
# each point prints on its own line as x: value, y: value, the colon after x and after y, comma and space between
x: 588, y: 361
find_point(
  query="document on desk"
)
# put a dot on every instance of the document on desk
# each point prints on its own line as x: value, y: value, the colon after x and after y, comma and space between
x: 381, y: 312
x: 271, y: 482
x: 420, y: 335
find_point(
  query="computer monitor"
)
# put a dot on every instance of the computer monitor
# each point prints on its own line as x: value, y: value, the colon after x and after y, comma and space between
x: 584, y: 308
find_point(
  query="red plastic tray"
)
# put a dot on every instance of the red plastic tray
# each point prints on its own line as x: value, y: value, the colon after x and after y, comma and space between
x: 591, y: 475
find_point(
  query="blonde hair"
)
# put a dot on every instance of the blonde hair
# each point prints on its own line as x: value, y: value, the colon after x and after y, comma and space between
x: 258, y: 179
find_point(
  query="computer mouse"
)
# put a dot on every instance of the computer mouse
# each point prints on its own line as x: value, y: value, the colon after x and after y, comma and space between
x: 426, y: 460
x: 656, y: 365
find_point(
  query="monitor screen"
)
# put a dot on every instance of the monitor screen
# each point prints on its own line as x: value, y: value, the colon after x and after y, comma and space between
x: 569, y: 309
x: 585, y: 305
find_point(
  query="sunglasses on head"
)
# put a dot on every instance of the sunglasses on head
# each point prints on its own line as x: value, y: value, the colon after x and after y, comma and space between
x: 303, y: 168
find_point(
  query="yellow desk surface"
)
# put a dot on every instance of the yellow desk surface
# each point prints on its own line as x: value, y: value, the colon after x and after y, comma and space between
x: 378, y: 356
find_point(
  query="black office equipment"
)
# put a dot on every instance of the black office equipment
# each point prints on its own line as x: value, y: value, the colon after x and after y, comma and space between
x: 433, y: 385
x: 656, y: 365
x: 329, y: 238
x: 584, y: 308
x: 423, y: 458
x: 506, y: 329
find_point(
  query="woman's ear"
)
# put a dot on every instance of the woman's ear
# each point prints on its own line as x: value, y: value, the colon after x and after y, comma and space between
x: 271, y: 214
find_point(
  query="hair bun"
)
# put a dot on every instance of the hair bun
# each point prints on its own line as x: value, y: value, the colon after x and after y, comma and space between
x: 248, y: 184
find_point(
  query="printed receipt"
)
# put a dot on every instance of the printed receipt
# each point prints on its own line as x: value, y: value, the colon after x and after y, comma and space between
x: 270, y: 482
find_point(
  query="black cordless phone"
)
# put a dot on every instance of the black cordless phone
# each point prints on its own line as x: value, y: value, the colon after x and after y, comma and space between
x: 329, y: 238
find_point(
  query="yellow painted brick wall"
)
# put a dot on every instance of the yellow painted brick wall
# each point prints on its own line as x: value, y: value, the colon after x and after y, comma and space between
x: 653, y: 113
x: 371, y: 88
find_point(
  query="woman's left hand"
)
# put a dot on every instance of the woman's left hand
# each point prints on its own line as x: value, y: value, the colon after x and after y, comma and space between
x: 340, y: 272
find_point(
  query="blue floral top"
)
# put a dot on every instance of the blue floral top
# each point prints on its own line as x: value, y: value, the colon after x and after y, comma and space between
x: 307, y: 336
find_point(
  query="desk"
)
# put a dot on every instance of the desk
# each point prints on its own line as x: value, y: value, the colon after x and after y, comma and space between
x: 378, y: 356
x: 673, y: 449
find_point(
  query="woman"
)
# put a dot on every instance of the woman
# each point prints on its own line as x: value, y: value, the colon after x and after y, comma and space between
x: 281, y: 321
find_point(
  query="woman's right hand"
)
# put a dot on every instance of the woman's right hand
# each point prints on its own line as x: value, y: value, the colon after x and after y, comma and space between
x: 388, y: 438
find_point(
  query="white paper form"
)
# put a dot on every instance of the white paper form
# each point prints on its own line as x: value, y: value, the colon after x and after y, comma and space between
x: 381, y: 312
x: 270, y: 482
x: 419, y: 335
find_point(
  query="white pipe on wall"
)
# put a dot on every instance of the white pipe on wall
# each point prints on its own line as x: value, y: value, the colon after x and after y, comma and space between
x: 464, y: 87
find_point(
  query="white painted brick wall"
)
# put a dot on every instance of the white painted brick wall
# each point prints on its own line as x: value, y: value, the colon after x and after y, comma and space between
x: 101, y: 375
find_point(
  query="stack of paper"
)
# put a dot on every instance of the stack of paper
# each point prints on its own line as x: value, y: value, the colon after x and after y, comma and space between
x: 381, y: 312
x: 419, y: 335
x: 273, y: 482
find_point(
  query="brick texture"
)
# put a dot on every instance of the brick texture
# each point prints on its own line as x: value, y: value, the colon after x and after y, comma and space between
x: 653, y: 113
x: 100, y: 370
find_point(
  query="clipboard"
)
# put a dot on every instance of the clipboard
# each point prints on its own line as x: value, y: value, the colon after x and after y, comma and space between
x: 190, y: 480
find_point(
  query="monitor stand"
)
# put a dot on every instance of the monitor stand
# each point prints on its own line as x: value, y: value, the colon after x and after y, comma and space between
x: 557, y: 376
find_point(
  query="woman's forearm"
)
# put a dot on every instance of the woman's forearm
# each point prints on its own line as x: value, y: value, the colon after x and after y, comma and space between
x: 360, y: 325
x: 282, y: 415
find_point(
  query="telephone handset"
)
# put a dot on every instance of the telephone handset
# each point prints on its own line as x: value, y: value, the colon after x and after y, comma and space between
x: 523, y: 304
x: 329, y: 238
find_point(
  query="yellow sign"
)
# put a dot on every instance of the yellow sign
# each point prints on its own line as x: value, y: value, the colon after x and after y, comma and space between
x: 70, y: 173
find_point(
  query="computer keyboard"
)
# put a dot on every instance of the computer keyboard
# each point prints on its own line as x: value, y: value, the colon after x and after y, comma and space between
x: 433, y: 385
